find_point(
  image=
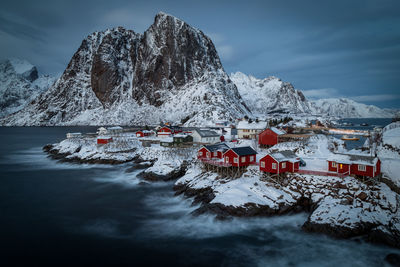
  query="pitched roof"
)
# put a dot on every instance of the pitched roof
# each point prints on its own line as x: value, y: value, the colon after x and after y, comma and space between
x: 244, y: 151
x: 217, y: 147
x: 353, y: 159
x: 285, y: 155
x: 277, y: 131
x: 261, y: 125
x: 206, y: 133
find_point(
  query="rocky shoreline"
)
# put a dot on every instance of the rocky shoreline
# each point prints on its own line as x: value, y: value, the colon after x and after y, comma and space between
x: 302, y: 190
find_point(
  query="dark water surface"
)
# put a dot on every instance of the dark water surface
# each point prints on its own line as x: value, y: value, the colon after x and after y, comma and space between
x: 67, y: 214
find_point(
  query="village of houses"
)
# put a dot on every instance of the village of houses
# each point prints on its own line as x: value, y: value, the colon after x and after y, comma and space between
x: 259, y: 168
x: 230, y: 149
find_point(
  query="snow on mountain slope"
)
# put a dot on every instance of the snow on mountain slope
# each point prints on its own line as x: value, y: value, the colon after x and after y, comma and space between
x: 19, y: 84
x: 347, y: 108
x: 270, y: 95
x: 170, y: 73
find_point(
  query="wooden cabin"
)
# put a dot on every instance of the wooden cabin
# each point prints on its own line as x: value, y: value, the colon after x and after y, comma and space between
x: 205, y: 136
x: 250, y: 130
x: 215, y: 151
x: 101, y: 140
x: 359, y: 165
x: 280, y: 162
x: 240, y: 156
x: 270, y: 136
x: 144, y: 133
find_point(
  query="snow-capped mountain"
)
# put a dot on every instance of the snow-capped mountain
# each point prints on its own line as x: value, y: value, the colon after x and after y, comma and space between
x: 19, y: 84
x: 270, y: 95
x: 347, y: 108
x: 172, y: 72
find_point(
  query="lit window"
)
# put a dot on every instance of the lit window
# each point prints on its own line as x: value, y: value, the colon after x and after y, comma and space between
x: 341, y: 166
x: 262, y: 164
x: 362, y: 168
x: 274, y: 166
x: 284, y: 165
x: 236, y: 160
x: 243, y: 159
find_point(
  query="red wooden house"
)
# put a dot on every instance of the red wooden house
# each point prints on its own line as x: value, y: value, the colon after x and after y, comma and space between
x: 104, y: 140
x: 143, y: 133
x: 240, y: 156
x: 167, y: 131
x: 280, y: 162
x: 355, y: 164
x: 270, y: 136
x: 215, y: 151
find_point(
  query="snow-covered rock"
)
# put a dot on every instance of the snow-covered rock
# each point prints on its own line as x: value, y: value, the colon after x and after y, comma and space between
x: 347, y: 108
x: 270, y: 95
x: 170, y: 73
x: 19, y: 85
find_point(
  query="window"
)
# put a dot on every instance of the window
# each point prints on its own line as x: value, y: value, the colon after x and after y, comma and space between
x: 284, y: 165
x: 341, y: 166
x: 226, y: 159
x: 362, y: 168
x: 236, y: 160
x: 274, y: 166
x: 200, y: 153
x: 262, y: 164
x: 334, y: 164
x: 243, y: 159
x: 251, y: 158
x: 215, y: 154
x: 208, y: 154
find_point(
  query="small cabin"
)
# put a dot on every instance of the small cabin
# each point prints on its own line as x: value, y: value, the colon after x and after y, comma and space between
x: 203, y: 136
x: 280, y: 162
x: 101, y: 140
x: 165, y: 132
x: 215, y: 151
x: 144, y: 133
x: 360, y: 165
x: 240, y: 156
x: 180, y: 139
x: 270, y: 137
x: 250, y: 129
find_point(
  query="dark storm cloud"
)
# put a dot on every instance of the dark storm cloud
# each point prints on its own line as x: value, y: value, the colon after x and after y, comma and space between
x: 341, y: 48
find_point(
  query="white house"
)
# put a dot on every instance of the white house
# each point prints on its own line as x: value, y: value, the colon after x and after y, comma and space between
x: 205, y: 136
x: 250, y: 130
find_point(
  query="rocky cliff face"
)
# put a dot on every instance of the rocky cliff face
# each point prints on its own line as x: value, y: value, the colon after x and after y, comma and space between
x: 169, y: 73
x: 19, y: 84
x: 270, y: 95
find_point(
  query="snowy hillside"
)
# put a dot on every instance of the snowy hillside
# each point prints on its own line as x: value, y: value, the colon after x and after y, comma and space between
x: 172, y: 72
x: 270, y: 95
x: 347, y: 108
x: 19, y: 85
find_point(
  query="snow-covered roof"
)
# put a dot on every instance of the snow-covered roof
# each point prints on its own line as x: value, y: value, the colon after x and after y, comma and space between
x: 206, y: 133
x: 244, y: 151
x: 103, y: 137
x: 277, y: 131
x: 285, y: 155
x: 353, y: 159
x: 167, y: 140
x: 261, y: 125
x: 217, y: 147
x: 181, y: 135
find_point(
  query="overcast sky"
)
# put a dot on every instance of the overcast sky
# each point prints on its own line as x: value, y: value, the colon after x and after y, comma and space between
x: 325, y: 48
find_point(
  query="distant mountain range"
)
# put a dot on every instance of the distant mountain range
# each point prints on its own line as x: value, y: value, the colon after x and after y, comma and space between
x: 171, y: 72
